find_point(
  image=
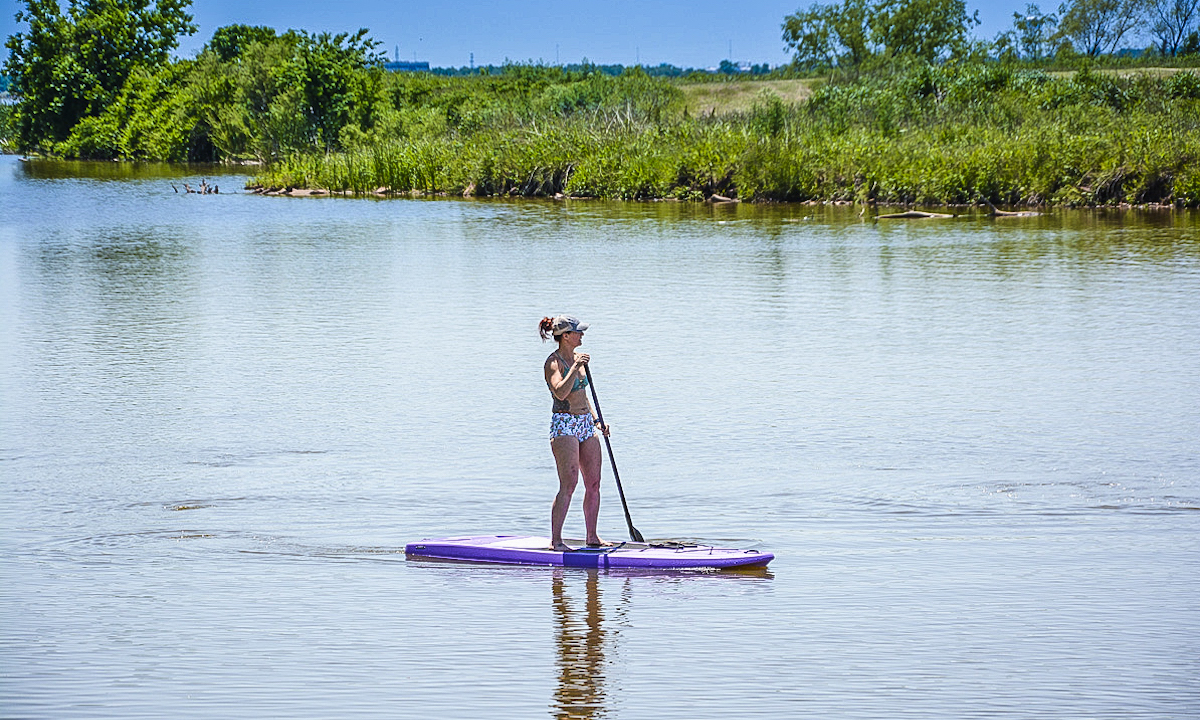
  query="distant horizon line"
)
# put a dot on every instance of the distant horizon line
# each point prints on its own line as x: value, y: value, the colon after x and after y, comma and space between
x: 581, y: 64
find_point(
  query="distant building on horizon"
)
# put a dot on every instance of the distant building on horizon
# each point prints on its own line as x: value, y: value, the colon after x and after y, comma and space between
x: 407, y: 66
x: 729, y: 67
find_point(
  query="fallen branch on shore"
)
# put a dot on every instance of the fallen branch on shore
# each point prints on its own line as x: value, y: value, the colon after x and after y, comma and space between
x: 912, y: 214
x: 290, y: 191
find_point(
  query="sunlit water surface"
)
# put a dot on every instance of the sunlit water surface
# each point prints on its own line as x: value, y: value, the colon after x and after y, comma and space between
x: 972, y: 445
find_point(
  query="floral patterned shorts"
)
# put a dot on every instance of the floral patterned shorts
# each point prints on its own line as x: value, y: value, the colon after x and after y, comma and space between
x: 581, y: 427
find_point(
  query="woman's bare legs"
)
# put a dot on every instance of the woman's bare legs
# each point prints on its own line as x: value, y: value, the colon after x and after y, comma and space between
x: 566, y: 458
x: 571, y: 458
x: 589, y: 464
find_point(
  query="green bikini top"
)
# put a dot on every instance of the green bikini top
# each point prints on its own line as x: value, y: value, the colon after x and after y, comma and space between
x: 562, y: 406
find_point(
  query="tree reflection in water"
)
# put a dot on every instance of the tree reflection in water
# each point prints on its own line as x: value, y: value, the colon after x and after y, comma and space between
x: 580, y: 640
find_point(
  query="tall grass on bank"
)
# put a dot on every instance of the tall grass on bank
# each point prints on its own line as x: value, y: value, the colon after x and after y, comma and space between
x: 929, y: 135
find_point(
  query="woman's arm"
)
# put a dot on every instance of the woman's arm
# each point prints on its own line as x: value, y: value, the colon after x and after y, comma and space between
x: 561, y: 383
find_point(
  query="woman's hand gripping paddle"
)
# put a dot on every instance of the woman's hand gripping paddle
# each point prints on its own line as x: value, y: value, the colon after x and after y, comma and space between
x: 634, y: 535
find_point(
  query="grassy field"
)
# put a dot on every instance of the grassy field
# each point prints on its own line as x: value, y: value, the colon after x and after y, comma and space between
x: 1157, y: 72
x: 739, y: 95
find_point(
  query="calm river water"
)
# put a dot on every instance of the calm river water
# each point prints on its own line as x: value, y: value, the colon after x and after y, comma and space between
x: 973, y: 445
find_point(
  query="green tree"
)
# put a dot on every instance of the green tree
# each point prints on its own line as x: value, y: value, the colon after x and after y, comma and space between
x: 253, y: 93
x: 829, y: 35
x: 1096, y: 27
x: 1033, y: 31
x: 1170, y: 22
x: 327, y: 84
x: 72, y: 65
x: 148, y: 120
x: 849, y: 34
x: 924, y: 29
x: 1191, y: 45
x: 231, y: 41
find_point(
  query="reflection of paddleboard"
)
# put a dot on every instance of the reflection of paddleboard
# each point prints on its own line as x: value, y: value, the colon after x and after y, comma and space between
x: 520, y: 550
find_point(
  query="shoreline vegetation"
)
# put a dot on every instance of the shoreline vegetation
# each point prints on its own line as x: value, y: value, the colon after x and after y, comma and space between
x: 960, y: 124
x: 931, y: 135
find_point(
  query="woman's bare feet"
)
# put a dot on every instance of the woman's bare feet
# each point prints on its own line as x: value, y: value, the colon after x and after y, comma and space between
x: 598, y: 543
x: 560, y: 547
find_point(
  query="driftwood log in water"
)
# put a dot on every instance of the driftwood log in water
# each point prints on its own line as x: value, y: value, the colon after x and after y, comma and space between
x: 912, y: 214
x: 1006, y: 213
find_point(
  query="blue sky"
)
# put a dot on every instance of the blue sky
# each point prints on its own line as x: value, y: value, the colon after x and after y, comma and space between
x: 696, y: 33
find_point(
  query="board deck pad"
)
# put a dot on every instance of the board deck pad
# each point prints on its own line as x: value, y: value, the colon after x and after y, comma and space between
x: 526, y: 550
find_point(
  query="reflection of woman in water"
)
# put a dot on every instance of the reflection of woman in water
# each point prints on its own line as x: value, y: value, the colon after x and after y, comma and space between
x: 580, y: 692
x: 572, y: 428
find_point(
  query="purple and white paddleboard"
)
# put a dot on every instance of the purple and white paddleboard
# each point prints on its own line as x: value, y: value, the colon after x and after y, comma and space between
x: 524, y: 550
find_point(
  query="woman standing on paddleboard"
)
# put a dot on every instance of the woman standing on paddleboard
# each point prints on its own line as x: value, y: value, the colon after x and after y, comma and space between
x: 572, y: 428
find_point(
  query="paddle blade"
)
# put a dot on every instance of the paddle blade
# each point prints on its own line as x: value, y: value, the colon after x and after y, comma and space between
x: 635, y: 536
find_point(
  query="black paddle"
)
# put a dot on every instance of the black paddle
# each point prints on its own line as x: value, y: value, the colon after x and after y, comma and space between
x: 634, y: 535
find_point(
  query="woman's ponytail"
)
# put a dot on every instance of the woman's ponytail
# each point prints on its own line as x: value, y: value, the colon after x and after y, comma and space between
x: 546, y: 328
